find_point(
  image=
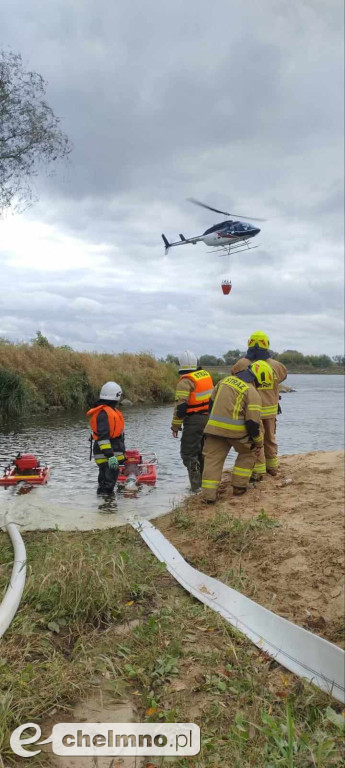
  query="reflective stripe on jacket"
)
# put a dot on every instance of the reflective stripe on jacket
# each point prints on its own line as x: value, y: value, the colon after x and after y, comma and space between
x: 269, y: 397
x: 199, y: 397
x: 235, y: 402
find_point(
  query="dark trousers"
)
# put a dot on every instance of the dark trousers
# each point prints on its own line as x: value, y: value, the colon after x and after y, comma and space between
x: 107, y: 477
x: 192, y: 439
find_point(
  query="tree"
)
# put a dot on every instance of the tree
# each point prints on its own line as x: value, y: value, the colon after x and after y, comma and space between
x: 172, y: 359
x: 291, y: 357
x: 232, y: 356
x: 41, y: 341
x: 318, y: 361
x: 208, y: 360
x: 339, y: 359
x: 29, y: 131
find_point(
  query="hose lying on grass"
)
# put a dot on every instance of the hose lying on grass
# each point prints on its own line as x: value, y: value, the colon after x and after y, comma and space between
x: 300, y: 651
x: 13, y: 594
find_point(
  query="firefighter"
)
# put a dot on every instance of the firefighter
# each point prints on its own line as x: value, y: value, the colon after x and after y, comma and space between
x: 235, y: 422
x: 192, y: 396
x: 107, y: 426
x: 258, y: 349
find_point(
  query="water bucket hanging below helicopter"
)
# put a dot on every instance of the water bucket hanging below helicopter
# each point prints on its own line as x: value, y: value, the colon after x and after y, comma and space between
x: 226, y: 286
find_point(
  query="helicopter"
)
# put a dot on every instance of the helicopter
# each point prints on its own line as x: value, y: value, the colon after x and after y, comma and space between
x: 230, y: 236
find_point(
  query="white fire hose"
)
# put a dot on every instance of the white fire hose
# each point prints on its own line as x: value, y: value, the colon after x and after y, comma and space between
x: 307, y: 655
x: 300, y: 651
x: 13, y: 594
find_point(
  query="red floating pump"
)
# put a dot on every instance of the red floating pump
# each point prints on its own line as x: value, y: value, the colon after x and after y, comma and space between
x: 226, y: 286
x: 25, y: 462
x: 133, y: 457
x: 26, y: 468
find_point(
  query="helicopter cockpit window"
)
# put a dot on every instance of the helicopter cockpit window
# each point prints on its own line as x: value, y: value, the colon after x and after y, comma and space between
x: 240, y: 226
x: 214, y: 228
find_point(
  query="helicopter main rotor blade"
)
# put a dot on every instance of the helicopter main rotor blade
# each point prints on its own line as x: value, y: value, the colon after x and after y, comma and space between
x: 224, y: 213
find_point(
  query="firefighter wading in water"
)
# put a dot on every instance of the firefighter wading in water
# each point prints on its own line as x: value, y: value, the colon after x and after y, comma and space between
x: 107, y: 426
x: 235, y: 422
x: 258, y: 349
x: 193, y: 394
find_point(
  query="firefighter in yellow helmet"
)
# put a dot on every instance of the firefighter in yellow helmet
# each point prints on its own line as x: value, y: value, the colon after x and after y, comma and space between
x: 235, y: 422
x: 258, y: 349
x: 192, y: 398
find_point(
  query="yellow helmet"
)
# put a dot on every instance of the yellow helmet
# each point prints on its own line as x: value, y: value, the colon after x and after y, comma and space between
x: 264, y: 374
x: 259, y: 339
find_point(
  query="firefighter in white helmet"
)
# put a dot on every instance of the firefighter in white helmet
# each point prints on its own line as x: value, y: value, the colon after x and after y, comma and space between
x: 107, y: 426
x: 192, y: 398
x: 235, y: 422
x: 258, y: 349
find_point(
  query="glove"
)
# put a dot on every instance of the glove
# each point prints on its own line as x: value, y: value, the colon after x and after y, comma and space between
x: 113, y: 462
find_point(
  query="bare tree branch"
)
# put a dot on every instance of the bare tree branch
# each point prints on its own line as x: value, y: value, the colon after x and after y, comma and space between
x: 30, y: 134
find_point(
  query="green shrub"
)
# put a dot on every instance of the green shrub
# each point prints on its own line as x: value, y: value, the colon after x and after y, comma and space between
x: 14, y: 395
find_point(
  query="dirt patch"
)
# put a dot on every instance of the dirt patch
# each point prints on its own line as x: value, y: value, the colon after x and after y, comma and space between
x: 99, y: 708
x: 282, y: 543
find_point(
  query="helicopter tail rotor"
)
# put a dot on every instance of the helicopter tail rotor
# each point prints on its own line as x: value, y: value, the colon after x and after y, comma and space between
x: 166, y: 243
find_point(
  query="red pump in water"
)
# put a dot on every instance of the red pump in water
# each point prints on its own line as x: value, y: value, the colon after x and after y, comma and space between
x: 141, y: 467
x: 25, y: 468
x: 25, y: 462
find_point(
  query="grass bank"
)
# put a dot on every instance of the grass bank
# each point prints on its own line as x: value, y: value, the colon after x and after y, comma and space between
x: 36, y: 377
x: 99, y: 612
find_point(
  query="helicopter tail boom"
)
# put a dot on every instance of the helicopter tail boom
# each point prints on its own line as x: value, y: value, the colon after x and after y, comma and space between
x: 182, y: 241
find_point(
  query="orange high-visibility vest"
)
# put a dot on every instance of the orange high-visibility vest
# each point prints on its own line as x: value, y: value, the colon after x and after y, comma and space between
x: 115, y: 419
x: 199, y: 399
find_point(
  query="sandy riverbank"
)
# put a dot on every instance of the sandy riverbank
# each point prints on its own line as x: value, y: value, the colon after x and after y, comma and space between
x: 292, y: 562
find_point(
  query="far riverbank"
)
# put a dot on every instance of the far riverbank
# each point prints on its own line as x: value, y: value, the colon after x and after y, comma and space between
x: 333, y: 370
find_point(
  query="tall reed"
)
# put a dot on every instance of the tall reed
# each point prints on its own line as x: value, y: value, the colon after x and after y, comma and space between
x: 38, y: 376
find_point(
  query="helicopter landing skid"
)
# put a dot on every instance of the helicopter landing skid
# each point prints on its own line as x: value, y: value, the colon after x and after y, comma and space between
x: 228, y: 250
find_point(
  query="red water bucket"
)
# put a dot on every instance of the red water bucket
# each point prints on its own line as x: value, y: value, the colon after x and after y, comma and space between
x: 226, y: 287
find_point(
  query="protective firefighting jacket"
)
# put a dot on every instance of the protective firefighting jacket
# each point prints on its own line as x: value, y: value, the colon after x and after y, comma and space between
x: 236, y: 411
x: 269, y: 397
x: 192, y: 395
x: 107, y: 425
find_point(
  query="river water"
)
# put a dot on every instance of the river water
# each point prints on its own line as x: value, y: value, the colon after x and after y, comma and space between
x: 312, y: 419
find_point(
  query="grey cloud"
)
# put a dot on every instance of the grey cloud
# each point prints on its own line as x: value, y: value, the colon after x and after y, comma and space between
x: 239, y: 107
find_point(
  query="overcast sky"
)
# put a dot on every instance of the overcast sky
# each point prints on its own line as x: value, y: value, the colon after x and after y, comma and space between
x: 235, y: 102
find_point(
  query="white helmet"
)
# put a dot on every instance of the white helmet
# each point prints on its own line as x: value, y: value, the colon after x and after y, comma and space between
x: 188, y: 360
x: 110, y: 391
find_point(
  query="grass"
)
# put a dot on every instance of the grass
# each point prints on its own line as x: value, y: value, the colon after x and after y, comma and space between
x: 178, y: 661
x: 14, y: 394
x: 222, y: 525
x: 35, y: 377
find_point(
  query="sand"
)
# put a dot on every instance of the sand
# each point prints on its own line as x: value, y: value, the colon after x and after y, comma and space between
x: 295, y: 568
